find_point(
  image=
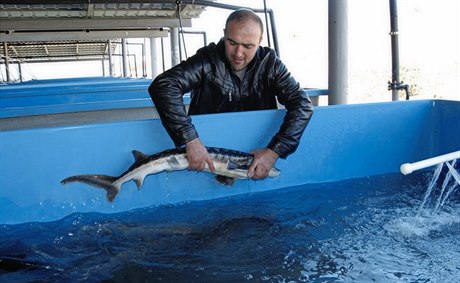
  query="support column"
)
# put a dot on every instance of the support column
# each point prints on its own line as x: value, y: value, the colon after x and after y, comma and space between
x: 175, y: 56
x: 103, y: 67
x: 7, y: 62
x: 144, y: 62
x: 124, y: 57
x: 154, y: 56
x: 21, y: 77
x: 338, y: 51
x: 109, y: 42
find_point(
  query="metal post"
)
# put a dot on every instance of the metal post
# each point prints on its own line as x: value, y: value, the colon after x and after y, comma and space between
x: 338, y: 51
x: 103, y: 67
x: 110, y: 58
x: 180, y: 46
x: 394, y: 48
x: 163, y: 54
x: 274, y: 32
x: 21, y: 78
x: 174, y: 34
x: 144, y: 63
x: 7, y: 62
x: 124, y: 57
x: 154, y: 56
x: 395, y: 85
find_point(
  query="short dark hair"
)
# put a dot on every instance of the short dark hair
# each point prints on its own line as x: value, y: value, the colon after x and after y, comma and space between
x: 244, y: 14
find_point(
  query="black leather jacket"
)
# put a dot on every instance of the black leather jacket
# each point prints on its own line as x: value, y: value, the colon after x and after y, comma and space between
x: 215, y: 88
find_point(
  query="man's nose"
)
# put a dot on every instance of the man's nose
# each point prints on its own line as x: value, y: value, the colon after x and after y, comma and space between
x: 239, y: 50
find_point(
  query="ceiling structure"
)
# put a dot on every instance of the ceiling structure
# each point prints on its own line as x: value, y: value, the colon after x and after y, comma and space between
x: 36, y: 30
x: 39, y: 51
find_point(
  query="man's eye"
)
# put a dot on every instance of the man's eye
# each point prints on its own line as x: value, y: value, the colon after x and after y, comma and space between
x: 231, y: 42
x: 248, y: 46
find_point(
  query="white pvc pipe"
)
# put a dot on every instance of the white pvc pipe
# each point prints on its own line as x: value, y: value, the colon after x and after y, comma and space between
x: 408, y: 168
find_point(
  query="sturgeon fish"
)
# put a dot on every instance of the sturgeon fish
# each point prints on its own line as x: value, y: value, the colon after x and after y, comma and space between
x: 229, y: 165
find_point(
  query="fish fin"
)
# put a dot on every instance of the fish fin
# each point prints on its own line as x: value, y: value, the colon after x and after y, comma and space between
x: 139, y: 155
x: 174, y: 163
x: 232, y: 165
x: 139, y: 181
x: 101, y: 181
x: 225, y: 181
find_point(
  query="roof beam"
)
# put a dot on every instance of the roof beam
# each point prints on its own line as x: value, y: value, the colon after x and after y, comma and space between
x: 88, y: 24
x: 81, y: 35
x: 44, y: 2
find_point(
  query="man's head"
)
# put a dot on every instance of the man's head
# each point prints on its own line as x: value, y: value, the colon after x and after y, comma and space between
x: 242, y: 35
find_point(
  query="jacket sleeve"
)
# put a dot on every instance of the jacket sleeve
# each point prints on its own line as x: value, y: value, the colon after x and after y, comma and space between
x: 167, y: 91
x: 299, y: 110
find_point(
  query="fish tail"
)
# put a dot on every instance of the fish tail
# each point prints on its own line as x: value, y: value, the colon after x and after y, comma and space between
x: 101, y: 181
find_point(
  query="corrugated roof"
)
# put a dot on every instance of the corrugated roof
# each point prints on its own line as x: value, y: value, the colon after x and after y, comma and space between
x: 69, y: 29
x: 82, y: 9
x: 58, y: 50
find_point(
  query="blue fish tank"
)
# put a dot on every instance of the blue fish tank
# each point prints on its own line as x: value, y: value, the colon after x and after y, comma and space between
x: 341, y: 210
x: 372, y: 194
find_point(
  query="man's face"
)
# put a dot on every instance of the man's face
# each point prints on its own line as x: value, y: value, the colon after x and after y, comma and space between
x: 241, y: 42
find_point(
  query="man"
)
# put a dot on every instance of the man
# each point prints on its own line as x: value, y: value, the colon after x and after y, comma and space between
x: 236, y: 74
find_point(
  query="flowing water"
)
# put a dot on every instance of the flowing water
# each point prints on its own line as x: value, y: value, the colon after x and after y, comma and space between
x: 371, y: 229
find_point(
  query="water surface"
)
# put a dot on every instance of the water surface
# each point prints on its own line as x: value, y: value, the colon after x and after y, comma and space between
x: 360, y: 230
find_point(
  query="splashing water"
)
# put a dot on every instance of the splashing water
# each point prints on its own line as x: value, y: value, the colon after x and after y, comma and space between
x: 449, y: 186
x: 432, y: 214
x: 435, y: 178
x: 452, y: 188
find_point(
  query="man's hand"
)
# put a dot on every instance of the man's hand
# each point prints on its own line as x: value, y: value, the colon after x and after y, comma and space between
x: 264, y: 160
x: 198, y: 156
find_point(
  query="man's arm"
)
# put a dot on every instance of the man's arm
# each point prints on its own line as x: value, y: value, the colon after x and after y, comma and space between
x: 298, y: 113
x: 166, y: 92
x: 299, y: 110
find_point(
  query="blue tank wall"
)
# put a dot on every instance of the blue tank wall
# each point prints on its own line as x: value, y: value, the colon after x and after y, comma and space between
x: 56, y: 96
x: 341, y: 142
x: 72, y: 95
